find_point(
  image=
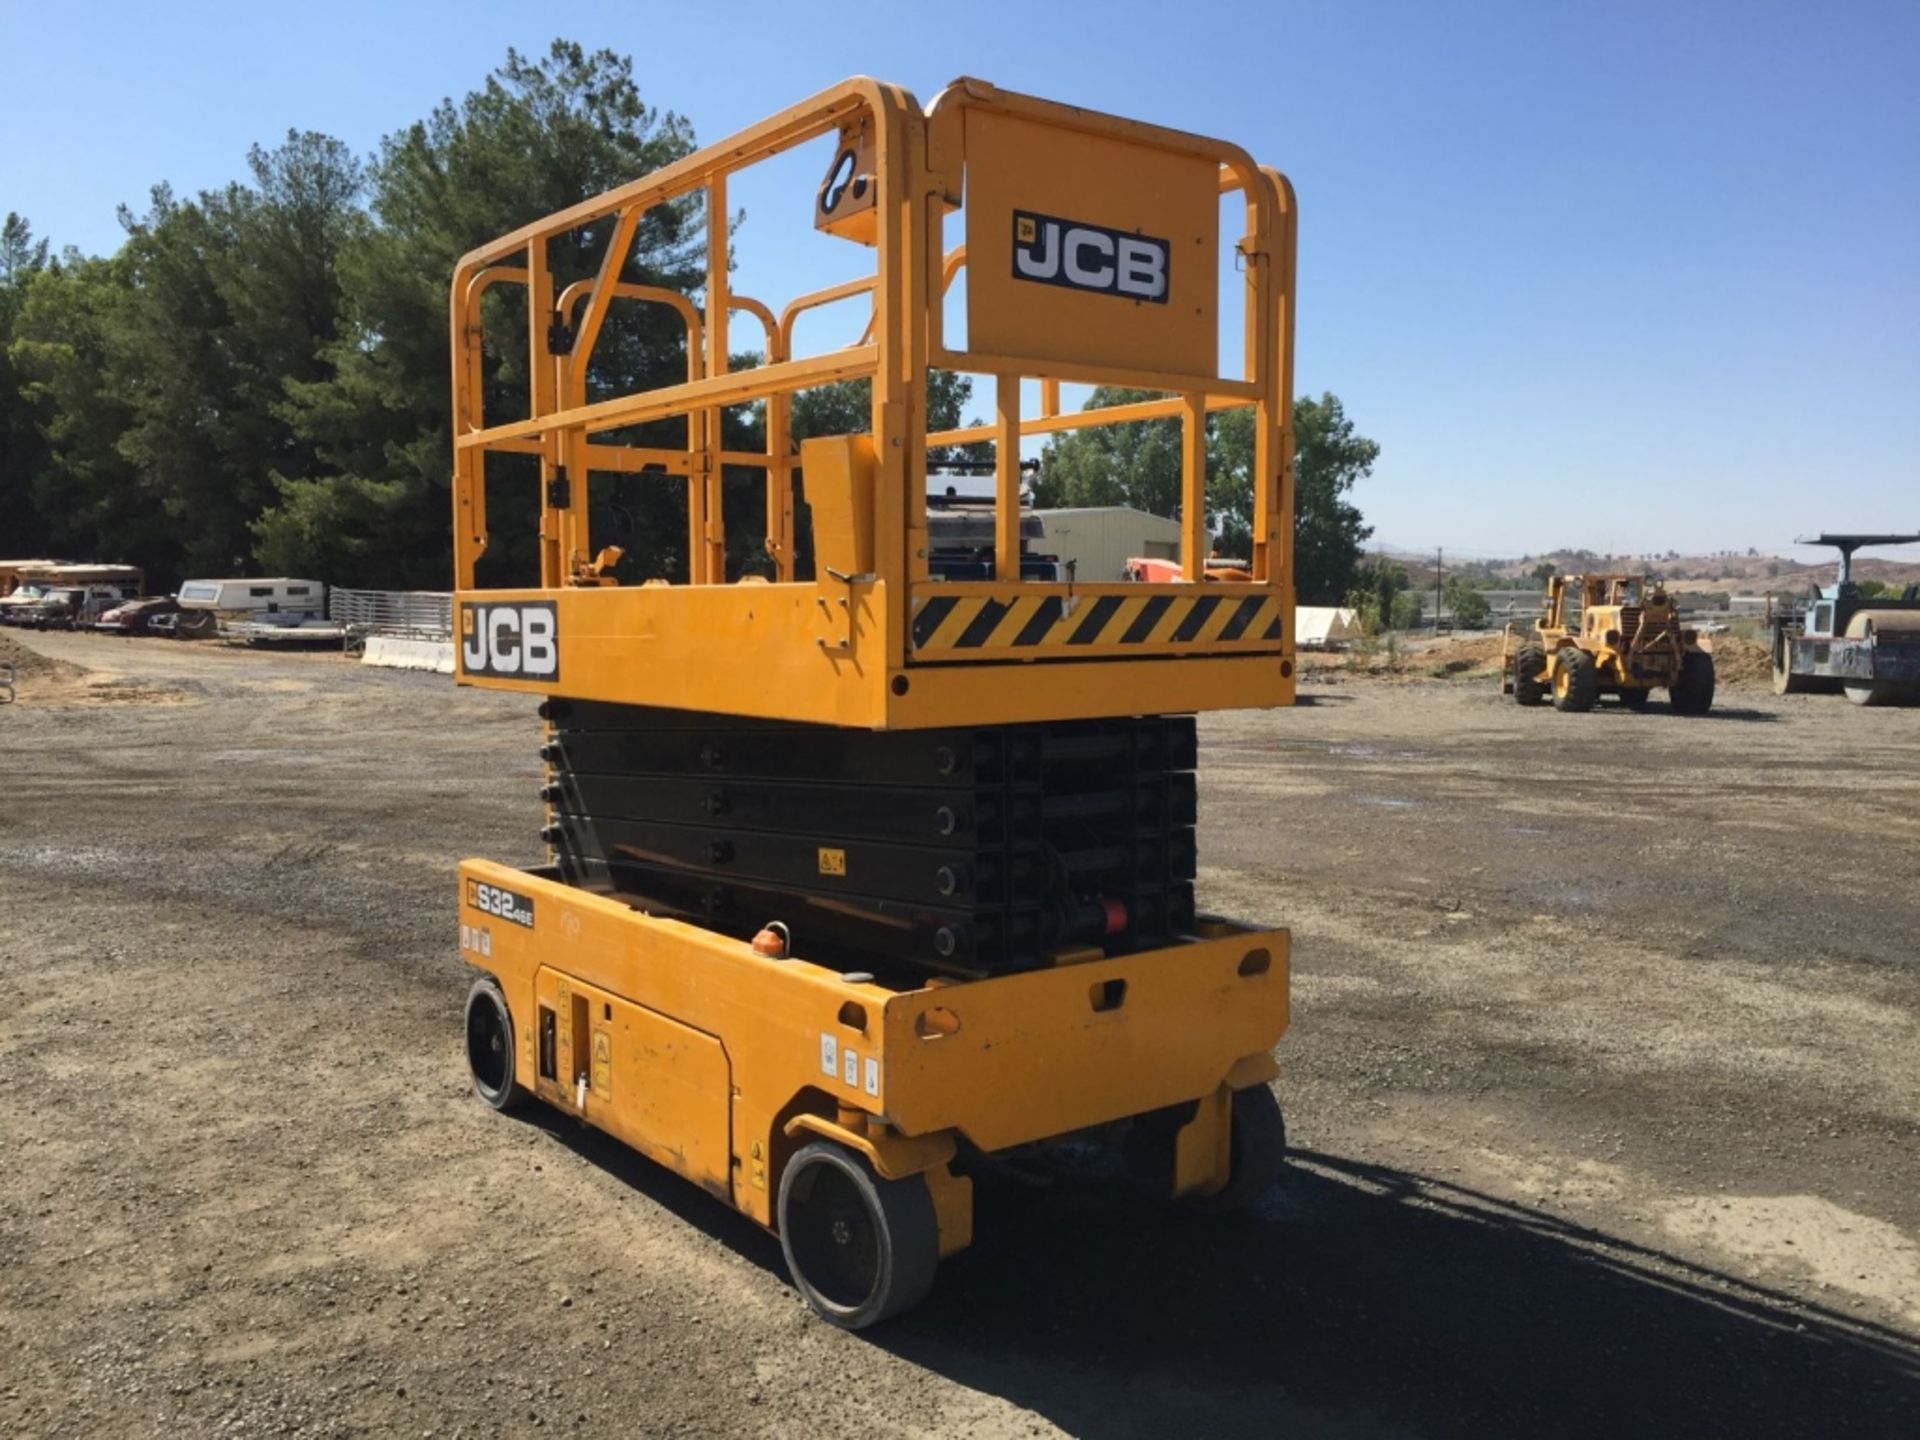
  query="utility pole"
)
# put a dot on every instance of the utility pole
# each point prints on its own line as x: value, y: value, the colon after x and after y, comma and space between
x: 1439, y: 569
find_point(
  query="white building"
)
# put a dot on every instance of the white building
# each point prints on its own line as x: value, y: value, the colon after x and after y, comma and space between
x: 1100, y: 539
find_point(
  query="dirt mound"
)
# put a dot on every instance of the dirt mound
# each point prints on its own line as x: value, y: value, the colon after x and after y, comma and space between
x: 1396, y: 657
x: 1738, y: 663
x: 43, y: 680
x: 1468, y: 655
x: 31, y: 665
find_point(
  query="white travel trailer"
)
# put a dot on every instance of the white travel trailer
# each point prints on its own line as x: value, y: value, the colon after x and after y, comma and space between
x: 249, y: 599
x: 212, y: 606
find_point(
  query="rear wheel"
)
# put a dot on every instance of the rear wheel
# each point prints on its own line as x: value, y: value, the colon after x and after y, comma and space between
x: 1258, y: 1150
x: 1575, y: 684
x: 490, y: 1045
x: 1635, y: 699
x: 1785, y: 682
x: 1528, y: 662
x: 1874, y: 692
x: 1692, y: 693
x: 860, y: 1249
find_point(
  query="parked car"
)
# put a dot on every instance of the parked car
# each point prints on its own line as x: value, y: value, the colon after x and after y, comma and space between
x: 46, y: 608
x: 136, y: 617
x: 63, y: 607
x: 21, y: 604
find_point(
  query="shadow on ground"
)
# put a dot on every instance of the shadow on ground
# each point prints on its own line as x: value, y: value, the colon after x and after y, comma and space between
x: 1433, y: 1309
x: 1390, y: 1302
x: 1738, y: 715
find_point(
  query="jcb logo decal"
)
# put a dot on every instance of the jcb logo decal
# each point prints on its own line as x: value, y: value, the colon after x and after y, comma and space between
x: 1089, y: 257
x: 514, y: 641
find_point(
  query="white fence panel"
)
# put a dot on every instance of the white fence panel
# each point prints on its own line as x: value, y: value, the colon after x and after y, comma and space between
x: 408, y: 614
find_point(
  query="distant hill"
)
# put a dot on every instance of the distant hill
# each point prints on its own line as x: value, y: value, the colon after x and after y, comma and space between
x: 1738, y: 571
x: 1732, y: 570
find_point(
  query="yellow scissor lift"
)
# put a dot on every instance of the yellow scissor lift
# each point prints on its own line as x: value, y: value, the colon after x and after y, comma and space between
x: 827, y: 1050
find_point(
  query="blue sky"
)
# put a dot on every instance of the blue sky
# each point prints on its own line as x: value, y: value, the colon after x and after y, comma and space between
x: 1625, y: 276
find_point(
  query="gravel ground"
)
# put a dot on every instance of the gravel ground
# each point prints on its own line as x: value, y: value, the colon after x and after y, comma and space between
x: 1604, y: 1083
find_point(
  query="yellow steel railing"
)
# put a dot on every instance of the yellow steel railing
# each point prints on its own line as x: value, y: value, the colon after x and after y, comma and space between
x: 922, y: 168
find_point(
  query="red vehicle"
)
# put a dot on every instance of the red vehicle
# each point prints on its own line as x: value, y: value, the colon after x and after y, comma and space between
x: 136, y: 617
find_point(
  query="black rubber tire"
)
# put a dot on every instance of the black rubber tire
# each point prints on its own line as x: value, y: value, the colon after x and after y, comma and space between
x: 1634, y: 698
x: 490, y: 1052
x: 1528, y: 661
x: 860, y: 1249
x: 1692, y: 692
x: 1576, y: 684
x: 1258, y: 1150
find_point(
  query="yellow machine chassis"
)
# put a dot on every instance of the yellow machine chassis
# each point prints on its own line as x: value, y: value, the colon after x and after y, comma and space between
x: 718, y: 1062
x: 1650, y: 659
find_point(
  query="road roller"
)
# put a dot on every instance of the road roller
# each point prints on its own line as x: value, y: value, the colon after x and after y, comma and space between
x: 1842, y: 639
x: 866, y: 866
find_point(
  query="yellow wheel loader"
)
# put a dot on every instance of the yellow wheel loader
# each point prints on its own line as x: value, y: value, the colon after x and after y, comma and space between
x: 1606, y: 635
x: 860, y: 867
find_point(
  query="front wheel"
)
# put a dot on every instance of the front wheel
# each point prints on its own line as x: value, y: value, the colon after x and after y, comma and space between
x: 1576, y: 683
x: 861, y: 1249
x: 1874, y: 692
x: 1692, y: 693
x: 490, y: 1046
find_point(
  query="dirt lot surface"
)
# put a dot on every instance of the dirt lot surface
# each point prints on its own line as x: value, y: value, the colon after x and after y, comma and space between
x: 1605, y: 1083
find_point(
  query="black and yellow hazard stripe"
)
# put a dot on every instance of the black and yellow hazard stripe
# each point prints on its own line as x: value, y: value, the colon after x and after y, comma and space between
x: 962, y: 624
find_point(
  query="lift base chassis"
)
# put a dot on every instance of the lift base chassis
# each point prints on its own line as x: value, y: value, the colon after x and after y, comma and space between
x: 719, y: 1062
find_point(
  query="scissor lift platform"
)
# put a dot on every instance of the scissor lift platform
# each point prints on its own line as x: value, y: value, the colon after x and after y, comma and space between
x: 860, y: 870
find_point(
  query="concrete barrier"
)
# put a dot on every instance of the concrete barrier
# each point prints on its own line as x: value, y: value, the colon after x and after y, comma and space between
x: 399, y: 654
